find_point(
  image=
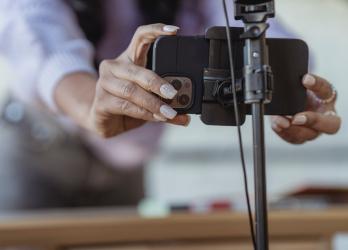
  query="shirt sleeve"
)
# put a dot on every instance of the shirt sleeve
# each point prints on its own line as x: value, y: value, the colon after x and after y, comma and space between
x: 42, y: 41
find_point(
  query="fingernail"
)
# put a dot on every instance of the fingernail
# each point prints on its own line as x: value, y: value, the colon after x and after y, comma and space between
x: 299, y: 120
x: 282, y: 122
x: 330, y: 113
x: 309, y: 80
x: 159, y: 118
x: 168, y: 91
x: 170, y: 28
x: 168, y: 112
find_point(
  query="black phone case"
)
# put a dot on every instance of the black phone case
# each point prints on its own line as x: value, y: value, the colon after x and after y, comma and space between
x: 189, y: 56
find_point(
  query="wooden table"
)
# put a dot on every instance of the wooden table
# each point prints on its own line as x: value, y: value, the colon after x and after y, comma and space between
x: 112, y: 229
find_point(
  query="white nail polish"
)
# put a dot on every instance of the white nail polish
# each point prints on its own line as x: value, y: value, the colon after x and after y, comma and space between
x: 170, y: 28
x: 330, y: 113
x: 309, y: 80
x: 168, y: 112
x: 168, y: 91
x: 159, y: 118
x: 300, y: 120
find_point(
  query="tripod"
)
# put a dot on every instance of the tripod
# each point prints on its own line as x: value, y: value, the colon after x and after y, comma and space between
x: 258, y: 85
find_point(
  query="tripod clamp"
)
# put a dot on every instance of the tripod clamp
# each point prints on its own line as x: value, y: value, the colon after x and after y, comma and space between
x: 259, y: 79
x: 255, y: 31
x: 223, y: 91
x: 218, y: 81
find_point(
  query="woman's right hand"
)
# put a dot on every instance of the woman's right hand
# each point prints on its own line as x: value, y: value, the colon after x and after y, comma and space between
x: 127, y: 94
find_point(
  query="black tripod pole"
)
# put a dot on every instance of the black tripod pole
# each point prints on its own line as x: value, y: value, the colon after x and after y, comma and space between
x: 261, y: 223
x: 257, y: 94
x: 258, y: 83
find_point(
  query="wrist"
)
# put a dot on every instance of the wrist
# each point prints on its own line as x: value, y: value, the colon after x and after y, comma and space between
x: 74, y: 96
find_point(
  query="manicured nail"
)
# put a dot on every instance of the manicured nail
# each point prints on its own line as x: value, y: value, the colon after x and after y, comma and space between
x: 168, y: 91
x: 309, y: 80
x: 168, y: 112
x: 330, y: 113
x: 170, y: 28
x: 300, y: 120
x: 159, y: 118
x: 282, y: 122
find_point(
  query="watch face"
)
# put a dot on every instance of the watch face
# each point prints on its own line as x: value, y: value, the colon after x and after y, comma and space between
x: 183, y: 100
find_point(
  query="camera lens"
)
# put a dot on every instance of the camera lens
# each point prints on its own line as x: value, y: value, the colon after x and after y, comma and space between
x: 184, y: 100
x: 177, y: 84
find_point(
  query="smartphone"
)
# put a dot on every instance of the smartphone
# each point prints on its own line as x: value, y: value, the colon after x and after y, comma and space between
x: 182, y: 60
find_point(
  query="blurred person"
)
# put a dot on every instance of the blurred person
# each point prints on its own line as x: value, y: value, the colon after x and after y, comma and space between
x: 76, y: 134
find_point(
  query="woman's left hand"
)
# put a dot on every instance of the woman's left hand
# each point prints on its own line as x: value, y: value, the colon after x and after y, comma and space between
x: 320, y: 115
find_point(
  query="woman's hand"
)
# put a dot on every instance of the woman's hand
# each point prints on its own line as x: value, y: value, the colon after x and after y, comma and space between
x: 127, y: 94
x: 319, y: 117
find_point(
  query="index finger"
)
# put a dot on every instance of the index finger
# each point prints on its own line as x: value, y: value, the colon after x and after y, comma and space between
x: 319, y: 86
x: 150, y: 32
x: 147, y: 34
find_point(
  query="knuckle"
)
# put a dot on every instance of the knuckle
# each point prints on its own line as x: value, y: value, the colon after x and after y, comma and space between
x: 140, y: 112
x: 125, y: 106
x: 139, y: 31
x: 151, y: 82
x: 147, y: 33
x: 128, y: 90
x: 151, y: 103
x: 155, y: 27
x: 132, y: 71
x: 102, y: 84
x: 104, y: 67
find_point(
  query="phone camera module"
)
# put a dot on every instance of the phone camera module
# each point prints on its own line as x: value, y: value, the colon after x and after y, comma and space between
x: 177, y: 84
x: 184, y: 100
